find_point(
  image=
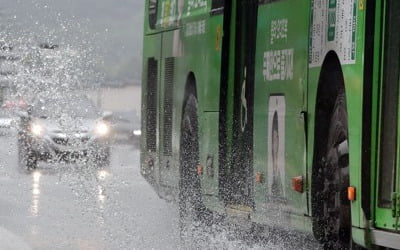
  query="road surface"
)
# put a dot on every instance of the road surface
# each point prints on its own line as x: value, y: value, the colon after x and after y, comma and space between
x: 76, y: 206
x: 73, y: 206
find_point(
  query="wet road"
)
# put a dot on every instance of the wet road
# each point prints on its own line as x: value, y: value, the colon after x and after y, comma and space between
x: 73, y: 206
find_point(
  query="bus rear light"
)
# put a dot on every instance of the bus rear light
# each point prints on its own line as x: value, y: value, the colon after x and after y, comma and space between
x: 199, y: 169
x: 351, y: 193
x: 259, y: 177
x: 297, y: 184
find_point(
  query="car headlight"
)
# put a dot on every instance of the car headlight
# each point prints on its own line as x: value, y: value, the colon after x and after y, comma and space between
x: 137, y: 132
x: 37, y: 129
x: 102, y: 128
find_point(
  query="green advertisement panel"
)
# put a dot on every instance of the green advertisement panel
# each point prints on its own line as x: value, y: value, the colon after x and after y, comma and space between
x: 280, y: 102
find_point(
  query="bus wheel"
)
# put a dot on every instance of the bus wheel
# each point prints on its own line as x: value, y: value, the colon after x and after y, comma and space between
x: 336, y: 215
x: 190, y: 202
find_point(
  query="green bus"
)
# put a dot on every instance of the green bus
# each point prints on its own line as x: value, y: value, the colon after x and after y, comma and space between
x: 282, y: 112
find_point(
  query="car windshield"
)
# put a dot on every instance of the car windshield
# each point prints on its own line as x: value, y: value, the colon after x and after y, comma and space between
x: 56, y: 107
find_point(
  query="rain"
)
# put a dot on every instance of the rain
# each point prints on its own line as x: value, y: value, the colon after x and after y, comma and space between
x: 70, y: 74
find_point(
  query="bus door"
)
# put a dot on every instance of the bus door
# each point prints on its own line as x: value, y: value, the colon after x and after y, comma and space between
x: 280, y: 106
x: 387, y: 204
x: 236, y: 120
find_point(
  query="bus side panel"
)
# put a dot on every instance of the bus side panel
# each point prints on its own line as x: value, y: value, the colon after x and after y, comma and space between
x: 191, y: 51
x: 170, y: 89
x: 209, y: 94
x: 280, y: 105
x: 150, y: 123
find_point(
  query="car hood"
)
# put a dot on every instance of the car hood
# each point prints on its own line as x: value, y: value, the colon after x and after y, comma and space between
x: 68, y: 125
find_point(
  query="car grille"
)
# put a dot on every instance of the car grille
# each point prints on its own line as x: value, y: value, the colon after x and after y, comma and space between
x: 70, y: 142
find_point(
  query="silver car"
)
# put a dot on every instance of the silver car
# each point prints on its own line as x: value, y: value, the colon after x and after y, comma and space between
x: 63, y: 128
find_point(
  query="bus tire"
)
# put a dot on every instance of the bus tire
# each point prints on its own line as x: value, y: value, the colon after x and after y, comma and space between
x: 335, y: 207
x: 190, y: 200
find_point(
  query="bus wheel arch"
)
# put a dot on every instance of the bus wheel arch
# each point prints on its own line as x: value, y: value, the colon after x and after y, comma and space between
x: 330, y: 111
x: 190, y: 89
x: 189, y: 112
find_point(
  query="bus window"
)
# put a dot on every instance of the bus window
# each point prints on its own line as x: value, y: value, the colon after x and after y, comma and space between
x: 152, y: 13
